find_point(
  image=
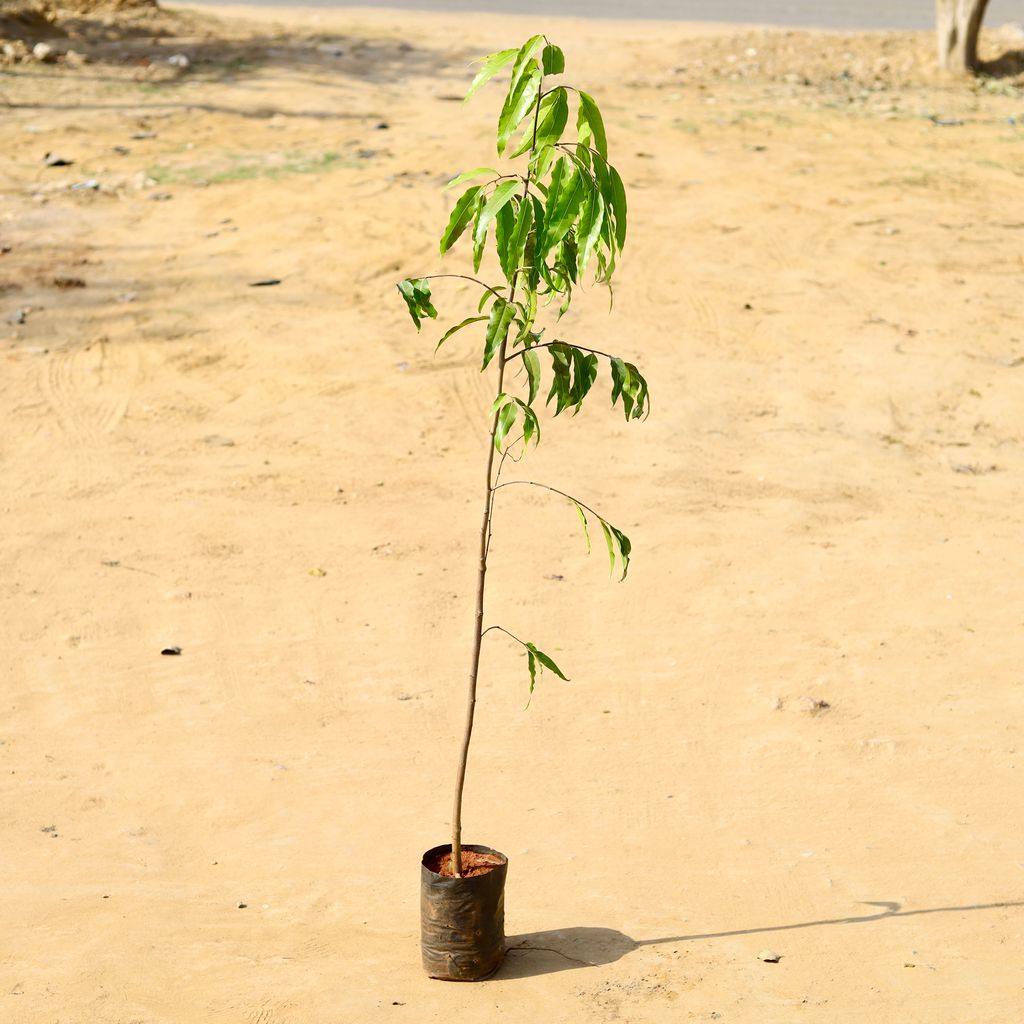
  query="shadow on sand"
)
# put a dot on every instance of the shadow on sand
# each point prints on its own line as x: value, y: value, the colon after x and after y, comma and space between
x: 569, y: 949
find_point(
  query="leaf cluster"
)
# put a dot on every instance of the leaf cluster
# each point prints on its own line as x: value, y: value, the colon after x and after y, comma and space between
x: 552, y: 219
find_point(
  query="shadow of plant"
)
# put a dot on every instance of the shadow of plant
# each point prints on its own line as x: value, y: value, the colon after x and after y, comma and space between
x: 569, y: 949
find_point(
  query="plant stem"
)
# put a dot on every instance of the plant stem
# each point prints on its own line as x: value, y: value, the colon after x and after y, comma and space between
x: 485, y: 530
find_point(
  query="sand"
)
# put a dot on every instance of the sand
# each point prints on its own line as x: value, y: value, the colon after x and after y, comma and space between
x: 796, y: 728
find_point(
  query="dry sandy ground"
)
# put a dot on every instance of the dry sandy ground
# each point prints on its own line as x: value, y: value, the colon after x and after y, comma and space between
x: 823, y: 285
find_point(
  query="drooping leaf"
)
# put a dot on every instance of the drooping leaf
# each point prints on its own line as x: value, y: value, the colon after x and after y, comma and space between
x: 531, y: 664
x: 506, y: 417
x: 564, y: 207
x: 532, y: 363
x: 591, y: 223
x: 561, y: 376
x: 416, y: 293
x: 518, y: 104
x: 543, y: 158
x: 520, y: 237
x: 499, y: 197
x: 618, y: 204
x: 524, y: 62
x: 460, y: 218
x: 624, y: 550
x: 629, y: 383
x: 610, y: 542
x: 546, y: 662
x: 583, y: 521
x: 504, y: 228
x: 458, y: 327
x: 584, y: 367
x: 468, y: 176
x: 551, y: 121
x: 531, y: 425
x: 553, y: 60
x: 508, y: 410
x: 492, y: 64
x: 501, y: 316
x: 590, y: 125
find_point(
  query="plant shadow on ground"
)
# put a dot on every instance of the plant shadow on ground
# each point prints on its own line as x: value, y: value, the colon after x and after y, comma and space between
x: 569, y: 949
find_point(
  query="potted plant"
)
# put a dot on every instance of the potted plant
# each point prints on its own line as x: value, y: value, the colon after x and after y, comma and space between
x: 560, y: 213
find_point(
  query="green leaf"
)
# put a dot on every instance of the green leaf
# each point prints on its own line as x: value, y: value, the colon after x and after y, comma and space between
x: 506, y: 418
x: 629, y: 383
x: 460, y: 218
x: 618, y: 204
x: 531, y: 426
x: 564, y: 206
x: 518, y: 104
x: 624, y: 550
x: 610, y: 542
x: 561, y: 376
x: 532, y: 363
x: 546, y: 662
x: 458, y: 327
x: 551, y: 121
x: 498, y: 198
x: 531, y: 664
x: 520, y: 236
x: 467, y: 175
x: 583, y: 521
x: 504, y: 229
x: 479, y: 240
x: 590, y: 125
x: 584, y: 366
x: 525, y: 62
x: 416, y: 293
x: 501, y: 316
x: 543, y: 157
x: 590, y: 226
x: 492, y: 64
x: 553, y: 60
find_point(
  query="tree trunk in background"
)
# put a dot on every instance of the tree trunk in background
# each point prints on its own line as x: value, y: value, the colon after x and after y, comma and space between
x: 958, y: 23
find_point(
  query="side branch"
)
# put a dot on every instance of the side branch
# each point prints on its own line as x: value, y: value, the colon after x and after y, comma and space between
x: 462, y: 277
x: 548, y: 344
x: 554, y: 490
x: 502, y: 629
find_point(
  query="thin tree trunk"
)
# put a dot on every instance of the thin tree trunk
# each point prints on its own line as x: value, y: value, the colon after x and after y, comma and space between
x: 958, y: 23
x: 478, y: 636
x: 467, y: 735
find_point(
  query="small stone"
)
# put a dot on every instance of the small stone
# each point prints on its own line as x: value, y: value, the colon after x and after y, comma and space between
x: 18, y: 316
x: 178, y: 60
x: 813, y: 705
x: 171, y: 651
x: 768, y: 956
x: 161, y: 197
x: 56, y: 160
x: 242, y: 906
x: 219, y: 441
x: 43, y: 52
